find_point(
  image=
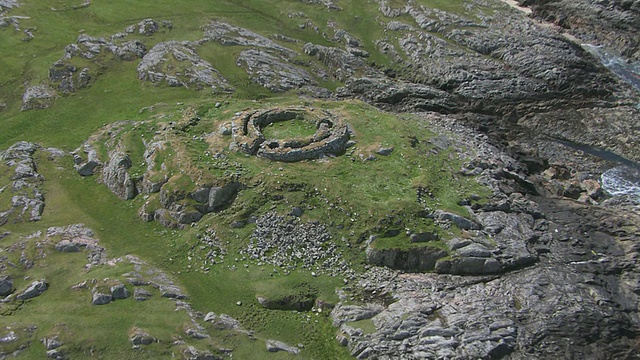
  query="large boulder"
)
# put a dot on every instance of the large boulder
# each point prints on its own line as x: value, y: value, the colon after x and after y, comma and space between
x: 35, y: 289
x: 417, y: 259
x: 6, y: 285
x: 119, y: 291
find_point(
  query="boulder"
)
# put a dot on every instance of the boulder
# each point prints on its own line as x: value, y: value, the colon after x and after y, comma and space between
x: 35, y: 289
x: 415, y: 259
x: 460, y: 221
x: 141, y: 337
x: 6, y: 285
x: 141, y: 294
x: 119, y: 291
x: 100, y: 297
x: 275, y: 346
x: 68, y: 246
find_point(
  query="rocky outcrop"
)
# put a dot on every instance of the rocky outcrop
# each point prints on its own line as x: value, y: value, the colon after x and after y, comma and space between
x: 609, y: 23
x: 177, y: 64
x: 38, y: 97
x: 27, y: 202
x: 273, y: 72
x: 116, y: 177
x: 231, y: 35
x: 180, y: 207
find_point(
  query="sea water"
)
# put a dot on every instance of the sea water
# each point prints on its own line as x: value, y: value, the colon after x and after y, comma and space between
x: 629, y: 71
x: 622, y: 180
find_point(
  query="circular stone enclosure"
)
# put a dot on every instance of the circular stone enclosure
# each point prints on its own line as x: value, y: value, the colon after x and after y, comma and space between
x: 331, y: 135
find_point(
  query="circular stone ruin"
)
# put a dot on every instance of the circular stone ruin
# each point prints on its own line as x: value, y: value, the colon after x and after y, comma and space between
x: 331, y: 136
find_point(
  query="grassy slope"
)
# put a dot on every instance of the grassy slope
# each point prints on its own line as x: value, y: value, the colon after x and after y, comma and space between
x: 376, y: 189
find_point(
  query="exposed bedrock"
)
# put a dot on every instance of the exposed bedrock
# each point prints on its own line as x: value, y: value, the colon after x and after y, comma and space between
x: 611, y: 23
x: 177, y: 64
x: 567, y: 286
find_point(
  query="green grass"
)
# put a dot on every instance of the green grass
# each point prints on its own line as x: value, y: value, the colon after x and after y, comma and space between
x: 353, y: 197
x: 290, y: 129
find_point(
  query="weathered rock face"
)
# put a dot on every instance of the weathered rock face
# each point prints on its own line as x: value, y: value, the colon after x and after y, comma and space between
x: 116, y: 177
x: 609, y: 23
x: 177, y: 64
x: 27, y: 203
x: 571, y: 294
x: 273, y: 72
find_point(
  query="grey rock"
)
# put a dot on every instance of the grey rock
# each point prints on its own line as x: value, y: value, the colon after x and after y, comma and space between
x: 460, y: 221
x: 229, y: 35
x: 35, y: 289
x: 56, y: 354
x: 412, y: 259
x: 141, y: 294
x: 172, y: 292
x: 68, y: 246
x: 273, y: 72
x: 38, y: 97
x: 8, y: 4
x: 275, y: 346
x: 296, y: 211
x: 423, y: 237
x: 222, y: 321
x: 141, y: 337
x: 117, y: 178
x: 191, y: 71
x: 119, y: 291
x: 129, y: 50
x: 147, y: 27
x: 100, y: 298
x: 474, y: 250
x: 6, y: 285
x: 384, y: 151
x: 51, y: 343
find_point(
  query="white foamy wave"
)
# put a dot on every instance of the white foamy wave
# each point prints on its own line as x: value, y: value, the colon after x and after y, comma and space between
x: 622, y: 180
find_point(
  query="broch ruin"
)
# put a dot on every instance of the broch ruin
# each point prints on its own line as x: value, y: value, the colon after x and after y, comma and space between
x: 331, y: 136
